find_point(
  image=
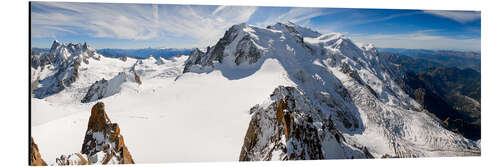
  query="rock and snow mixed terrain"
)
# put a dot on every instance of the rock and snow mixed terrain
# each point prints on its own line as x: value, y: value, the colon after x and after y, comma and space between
x: 282, y: 92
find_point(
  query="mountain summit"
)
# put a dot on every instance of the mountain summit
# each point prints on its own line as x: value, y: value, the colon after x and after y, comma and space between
x: 62, y: 62
x: 343, y: 101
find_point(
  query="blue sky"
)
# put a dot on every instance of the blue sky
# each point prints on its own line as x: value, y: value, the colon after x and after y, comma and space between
x: 185, y: 26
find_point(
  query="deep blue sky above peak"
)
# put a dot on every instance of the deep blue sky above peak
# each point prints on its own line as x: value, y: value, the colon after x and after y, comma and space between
x: 105, y: 25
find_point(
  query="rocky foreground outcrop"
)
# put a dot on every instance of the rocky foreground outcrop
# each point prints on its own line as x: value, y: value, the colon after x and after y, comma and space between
x: 35, y: 157
x: 103, y: 144
x: 292, y: 128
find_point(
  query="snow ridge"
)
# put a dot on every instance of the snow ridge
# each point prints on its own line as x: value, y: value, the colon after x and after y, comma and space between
x: 353, y: 85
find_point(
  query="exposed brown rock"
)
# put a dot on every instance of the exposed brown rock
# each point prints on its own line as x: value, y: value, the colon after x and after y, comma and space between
x: 284, y: 117
x: 137, y: 78
x: 250, y: 140
x: 285, y: 130
x: 35, y: 157
x: 104, y: 136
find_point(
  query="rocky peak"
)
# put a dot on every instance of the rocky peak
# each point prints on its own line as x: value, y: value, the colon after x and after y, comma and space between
x: 237, y: 42
x: 194, y: 58
x: 66, y: 54
x: 103, y: 143
x: 66, y: 60
x: 291, y: 127
x: 35, y: 157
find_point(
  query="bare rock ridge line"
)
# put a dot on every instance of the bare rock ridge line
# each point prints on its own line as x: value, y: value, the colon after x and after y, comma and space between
x: 103, y: 144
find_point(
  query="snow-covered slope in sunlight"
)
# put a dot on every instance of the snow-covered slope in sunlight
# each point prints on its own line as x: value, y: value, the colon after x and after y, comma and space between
x: 197, y: 117
x: 353, y: 85
x: 213, y: 104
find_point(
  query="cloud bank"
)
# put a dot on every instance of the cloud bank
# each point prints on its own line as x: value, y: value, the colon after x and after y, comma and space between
x: 135, y: 21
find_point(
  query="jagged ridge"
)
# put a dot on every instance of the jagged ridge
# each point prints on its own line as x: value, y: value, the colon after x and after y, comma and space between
x: 65, y: 61
x: 354, y: 86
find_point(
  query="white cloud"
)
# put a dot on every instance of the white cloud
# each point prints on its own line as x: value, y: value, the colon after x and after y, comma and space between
x: 136, y: 21
x: 218, y: 9
x: 459, y: 16
x: 296, y: 15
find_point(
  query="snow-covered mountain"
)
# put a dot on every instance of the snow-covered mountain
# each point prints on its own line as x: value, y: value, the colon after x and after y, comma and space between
x: 353, y: 86
x: 282, y: 92
x: 62, y: 63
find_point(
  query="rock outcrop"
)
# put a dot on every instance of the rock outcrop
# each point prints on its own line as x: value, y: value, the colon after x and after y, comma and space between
x: 105, y: 88
x: 35, y: 157
x: 292, y: 128
x: 103, y: 143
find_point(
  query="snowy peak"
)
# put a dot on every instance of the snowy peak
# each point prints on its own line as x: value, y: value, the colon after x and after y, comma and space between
x: 352, y: 87
x: 69, y: 52
x: 247, y: 44
x: 64, y: 60
x: 293, y: 28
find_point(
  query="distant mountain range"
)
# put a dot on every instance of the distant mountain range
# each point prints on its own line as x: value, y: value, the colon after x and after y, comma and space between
x: 134, y: 53
x: 447, y: 83
x: 144, y: 53
x: 433, y: 58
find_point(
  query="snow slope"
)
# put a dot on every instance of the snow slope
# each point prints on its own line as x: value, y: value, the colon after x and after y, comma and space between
x: 196, y: 108
x: 190, y: 119
x: 352, y: 84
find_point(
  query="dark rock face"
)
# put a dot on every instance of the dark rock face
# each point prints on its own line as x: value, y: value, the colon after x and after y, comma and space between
x: 105, y: 88
x: 35, y: 157
x: 288, y: 129
x: 96, y: 91
x: 123, y: 58
x: 194, y: 58
x: 63, y: 78
x: 246, y: 50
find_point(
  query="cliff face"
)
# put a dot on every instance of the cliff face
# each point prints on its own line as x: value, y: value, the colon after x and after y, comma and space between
x: 290, y: 129
x: 103, y: 144
x: 35, y: 157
